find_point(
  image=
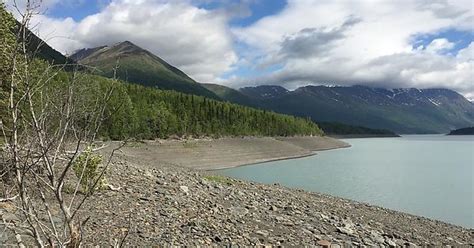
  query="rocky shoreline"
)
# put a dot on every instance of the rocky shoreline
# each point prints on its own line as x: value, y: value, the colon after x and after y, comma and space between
x: 157, y: 203
x: 168, y: 205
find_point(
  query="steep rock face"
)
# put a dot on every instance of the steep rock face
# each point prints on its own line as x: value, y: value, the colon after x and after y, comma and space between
x: 401, y: 110
x: 132, y: 63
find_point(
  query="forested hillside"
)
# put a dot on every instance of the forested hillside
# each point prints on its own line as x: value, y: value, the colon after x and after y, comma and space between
x: 134, y: 64
x: 400, y: 110
x: 150, y: 113
x: 133, y: 110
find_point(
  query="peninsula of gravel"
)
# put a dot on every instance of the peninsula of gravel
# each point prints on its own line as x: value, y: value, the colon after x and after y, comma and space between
x: 164, y: 193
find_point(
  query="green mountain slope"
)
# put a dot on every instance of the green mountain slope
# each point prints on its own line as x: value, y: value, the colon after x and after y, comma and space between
x: 232, y: 95
x: 137, y: 65
x: 45, y: 52
x: 257, y: 97
x: 351, y: 110
x: 35, y: 45
x: 401, y: 110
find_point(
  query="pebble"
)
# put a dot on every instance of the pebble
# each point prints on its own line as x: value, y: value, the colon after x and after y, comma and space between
x: 241, y: 214
x: 185, y: 189
x: 324, y: 243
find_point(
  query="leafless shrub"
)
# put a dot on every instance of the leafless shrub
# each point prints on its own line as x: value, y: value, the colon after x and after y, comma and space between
x: 46, y: 128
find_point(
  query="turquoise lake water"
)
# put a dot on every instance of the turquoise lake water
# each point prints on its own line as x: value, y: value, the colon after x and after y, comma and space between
x: 426, y: 175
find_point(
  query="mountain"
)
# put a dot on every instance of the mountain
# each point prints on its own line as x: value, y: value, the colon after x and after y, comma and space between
x: 35, y: 45
x: 463, y: 131
x: 43, y: 51
x: 137, y: 65
x: 256, y: 96
x: 264, y: 91
x: 404, y: 111
x: 232, y: 95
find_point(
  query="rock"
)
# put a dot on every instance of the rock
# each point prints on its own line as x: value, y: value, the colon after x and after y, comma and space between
x: 273, y: 208
x: 148, y: 174
x: 262, y: 233
x: 377, y: 237
x: 347, y: 223
x: 345, y: 230
x: 390, y: 243
x: 160, y: 191
x: 410, y: 245
x: 113, y: 188
x: 238, y: 211
x: 324, y: 243
x: 185, y: 189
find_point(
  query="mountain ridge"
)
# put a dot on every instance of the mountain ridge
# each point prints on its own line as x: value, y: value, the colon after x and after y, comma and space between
x: 403, y: 110
x: 132, y: 63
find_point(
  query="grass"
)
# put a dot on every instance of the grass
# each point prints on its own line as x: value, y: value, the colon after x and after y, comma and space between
x: 219, y: 179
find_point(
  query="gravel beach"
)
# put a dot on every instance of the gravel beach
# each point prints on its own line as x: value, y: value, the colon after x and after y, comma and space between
x: 212, y: 154
x: 160, y: 203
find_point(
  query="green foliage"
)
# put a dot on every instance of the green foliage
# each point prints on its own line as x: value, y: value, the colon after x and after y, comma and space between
x: 137, y: 111
x: 232, y: 95
x: 164, y: 113
x: 7, y: 41
x: 87, y: 168
x: 131, y: 63
x: 218, y: 179
x: 7, y: 50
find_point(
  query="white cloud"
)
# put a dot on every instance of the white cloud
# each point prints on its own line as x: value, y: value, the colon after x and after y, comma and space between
x: 194, y: 39
x: 321, y: 42
x: 439, y: 45
x: 375, y: 50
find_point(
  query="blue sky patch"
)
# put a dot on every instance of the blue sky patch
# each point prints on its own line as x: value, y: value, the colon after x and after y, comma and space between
x: 77, y: 10
x: 461, y: 39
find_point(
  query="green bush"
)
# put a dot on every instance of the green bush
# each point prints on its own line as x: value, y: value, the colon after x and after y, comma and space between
x: 88, y: 170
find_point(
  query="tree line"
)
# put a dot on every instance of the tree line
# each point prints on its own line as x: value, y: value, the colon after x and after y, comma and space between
x: 135, y: 111
x: 147, y: 113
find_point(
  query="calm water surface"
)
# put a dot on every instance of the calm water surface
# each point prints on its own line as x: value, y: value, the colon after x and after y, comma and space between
x: 427, y: 175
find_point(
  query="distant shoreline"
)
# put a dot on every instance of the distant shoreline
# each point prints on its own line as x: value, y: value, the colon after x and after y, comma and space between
x: 462, y: 131
x: 357, y: 136
x: 223, y: 153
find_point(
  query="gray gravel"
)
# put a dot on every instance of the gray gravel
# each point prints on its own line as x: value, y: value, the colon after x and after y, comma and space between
x: 167, y: 205
x: 155, y: 203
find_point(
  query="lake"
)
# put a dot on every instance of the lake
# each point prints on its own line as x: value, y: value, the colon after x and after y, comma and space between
x: 426, y: 175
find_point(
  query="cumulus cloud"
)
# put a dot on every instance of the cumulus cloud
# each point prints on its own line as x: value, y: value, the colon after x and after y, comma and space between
x: 439, y: 45
x: 376, y: 50
x: 194, y: 39
x: 307, y: 42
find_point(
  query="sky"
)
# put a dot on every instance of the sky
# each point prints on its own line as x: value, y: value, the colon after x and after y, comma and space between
x: 292, y: 43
